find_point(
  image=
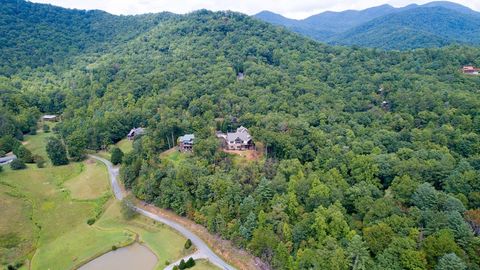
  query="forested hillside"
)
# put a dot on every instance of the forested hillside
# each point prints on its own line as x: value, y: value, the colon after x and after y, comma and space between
x: 34, y: 35
x: 371, y: 158
x: 435, y: 24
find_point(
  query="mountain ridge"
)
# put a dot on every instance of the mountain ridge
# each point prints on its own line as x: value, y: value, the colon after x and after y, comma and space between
x: 336, y: 27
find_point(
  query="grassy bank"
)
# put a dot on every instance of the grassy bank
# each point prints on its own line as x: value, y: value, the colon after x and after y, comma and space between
x: 45, y: 213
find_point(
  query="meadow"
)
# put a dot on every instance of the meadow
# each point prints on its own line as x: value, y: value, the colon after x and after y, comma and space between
x: 45, y: 213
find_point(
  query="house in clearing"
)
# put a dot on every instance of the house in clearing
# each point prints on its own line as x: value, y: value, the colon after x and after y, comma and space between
x: 185, y: 143
x: 471, y: 70
x: 50, y: 117
x: 238, y: 140
x: 135, y: 132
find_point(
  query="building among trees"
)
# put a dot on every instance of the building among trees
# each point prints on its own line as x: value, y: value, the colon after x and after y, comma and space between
x: 238, y: 140
x: 135, y: 132
x: 185, y: 143
x: 50, y: 117
x: 471, y: 70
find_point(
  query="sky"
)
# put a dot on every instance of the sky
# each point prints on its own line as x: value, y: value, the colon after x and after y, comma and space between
x: 297, y: 9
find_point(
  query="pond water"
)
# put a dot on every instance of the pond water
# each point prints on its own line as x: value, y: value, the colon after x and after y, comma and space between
x: 135, y: 256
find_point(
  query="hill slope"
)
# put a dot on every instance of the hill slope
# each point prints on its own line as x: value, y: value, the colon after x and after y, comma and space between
x: 34, y: 35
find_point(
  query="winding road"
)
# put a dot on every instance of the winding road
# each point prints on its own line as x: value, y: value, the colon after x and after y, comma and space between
x: 203, y: 250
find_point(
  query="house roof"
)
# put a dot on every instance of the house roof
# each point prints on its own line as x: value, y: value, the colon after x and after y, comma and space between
x: 49, y: 116
x: 7, y: 158
x: 241, y: 133
x: 187, y: 138
x: 136, y: 131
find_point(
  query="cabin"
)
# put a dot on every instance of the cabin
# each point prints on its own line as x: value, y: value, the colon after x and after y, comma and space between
x: 135, y: 132
x: 185, y: 143
x: 7, y: 159
x: 238, y: 140
x: 50, y: 117
x: 471, y: 70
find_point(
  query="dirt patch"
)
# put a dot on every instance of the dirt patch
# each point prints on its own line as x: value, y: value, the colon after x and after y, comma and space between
x: 249, y: 155
x: 90, y: 161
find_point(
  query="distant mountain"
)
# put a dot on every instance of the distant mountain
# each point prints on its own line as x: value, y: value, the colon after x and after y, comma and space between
x: 430, y: 25
x: 419, y: 27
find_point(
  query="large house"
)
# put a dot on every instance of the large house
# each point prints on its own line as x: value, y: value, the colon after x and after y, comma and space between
x: 238, y: 140
x: 471, y: 70
x: 135, y: 132
x: 185, y: 143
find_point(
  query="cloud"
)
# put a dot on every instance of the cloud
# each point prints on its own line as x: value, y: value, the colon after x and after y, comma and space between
x: 293, y: 9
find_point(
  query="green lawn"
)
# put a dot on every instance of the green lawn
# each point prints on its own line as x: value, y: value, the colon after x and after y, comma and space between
x: 174, y: 156
x: 204, y: 265
x: 45, y: 213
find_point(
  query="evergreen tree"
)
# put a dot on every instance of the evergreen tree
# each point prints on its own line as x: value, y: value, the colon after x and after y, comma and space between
x: 56, y: 151
x: 117, y: 155
x: 450, y: 261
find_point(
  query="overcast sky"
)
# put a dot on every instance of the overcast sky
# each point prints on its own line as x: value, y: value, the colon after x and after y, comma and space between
x: 297, y: 9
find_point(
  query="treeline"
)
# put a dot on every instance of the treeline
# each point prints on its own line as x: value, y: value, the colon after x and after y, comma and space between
x: 371, y: 157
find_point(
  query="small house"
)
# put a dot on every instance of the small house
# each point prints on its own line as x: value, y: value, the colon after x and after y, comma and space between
x: 135, y: 132
x: 238, y: 140
x: 50, y: 117
x: 185, y: 143
x: 470, y: 70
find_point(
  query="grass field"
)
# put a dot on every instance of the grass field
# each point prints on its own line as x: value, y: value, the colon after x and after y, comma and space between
x: 45, y: 213
x: 91, y: 183
x: 125, y: 145
x: 204, y: 265
x: 174, y: 156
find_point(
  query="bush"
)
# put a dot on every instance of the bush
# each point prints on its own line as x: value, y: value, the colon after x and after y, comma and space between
x: 182, y: 265
x: 17, y: 164
x: 188, y: 244
x: 175, y: 267
x: 91, y: 221
x: 190, y: 263
x: 33, y: 130
x: 23, y: 153
x: 114, y: 247
x: 8, y: 143
x: 40, y: 161
x: 117, y: 156
x: 46, y: 128
x: 167, y: 262
x: 127, y: 208
x: 2, y: 153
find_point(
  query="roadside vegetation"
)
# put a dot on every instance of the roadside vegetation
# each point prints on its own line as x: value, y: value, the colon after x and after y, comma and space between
x: 59, y: 217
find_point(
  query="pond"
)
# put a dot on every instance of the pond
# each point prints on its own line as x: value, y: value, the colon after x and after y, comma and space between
x: 135, y: 256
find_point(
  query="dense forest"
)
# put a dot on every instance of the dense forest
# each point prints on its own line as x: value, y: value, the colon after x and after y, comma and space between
x: 371, y: 158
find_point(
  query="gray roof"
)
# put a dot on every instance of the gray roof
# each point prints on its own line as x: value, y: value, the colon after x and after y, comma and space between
x: 187, y: 138
x: 241, y: 133
x: 48, y: 116
x: 136, y: 131
x: 7, y: 159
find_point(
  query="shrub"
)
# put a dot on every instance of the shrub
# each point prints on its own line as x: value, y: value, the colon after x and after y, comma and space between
x: 190, y: 263
x: 127, y: 208
x: 114, y: 247
x: 46, y: 128
x: 182, y: 265
x: 91, y: 221
x: 167, y: 262
x: 24, y: 154
x: 18, y: 164
x: 117, y: 156
x: 40, y: 161
x: 175, y: 267
x: 188, y: 244
x: 33, y: 130
x: 2, y: 153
